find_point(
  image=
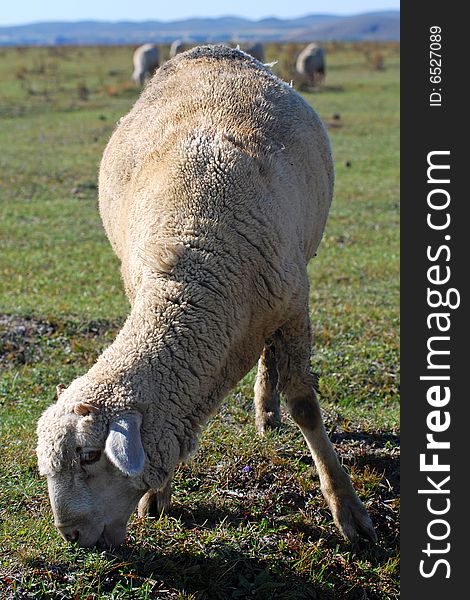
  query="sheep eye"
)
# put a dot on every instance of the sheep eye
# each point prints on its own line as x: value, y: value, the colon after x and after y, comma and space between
x: 89, y: 457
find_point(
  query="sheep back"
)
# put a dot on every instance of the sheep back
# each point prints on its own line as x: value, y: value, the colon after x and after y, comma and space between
x: 216, y: 140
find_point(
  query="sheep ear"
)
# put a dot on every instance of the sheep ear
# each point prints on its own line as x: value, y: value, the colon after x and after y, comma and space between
x: 59, y: 389
x: 83, y: 409
x: 124, y: 445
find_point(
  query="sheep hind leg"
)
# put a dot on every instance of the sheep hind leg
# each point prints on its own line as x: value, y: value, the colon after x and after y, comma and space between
x: 297, y: 384
x: 267, y: 399
x: 155, y: 503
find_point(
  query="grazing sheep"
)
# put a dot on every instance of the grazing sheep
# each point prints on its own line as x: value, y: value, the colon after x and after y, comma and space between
x: 146, y: 60
x: 214, y: 193
x: 176, y: 47
x: 256, y: 51
x: 311, y: 63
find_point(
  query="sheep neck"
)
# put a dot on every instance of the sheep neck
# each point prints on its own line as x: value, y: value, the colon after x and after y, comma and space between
x: 167, y: 351
x: 173, y: 362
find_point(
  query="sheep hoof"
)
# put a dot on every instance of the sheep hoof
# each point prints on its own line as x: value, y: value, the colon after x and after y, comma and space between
x: 351, y: 518
x: 154, y: 504
x: 267, y: 421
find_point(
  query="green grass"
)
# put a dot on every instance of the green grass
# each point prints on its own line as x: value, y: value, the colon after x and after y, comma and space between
x: 262, y: 532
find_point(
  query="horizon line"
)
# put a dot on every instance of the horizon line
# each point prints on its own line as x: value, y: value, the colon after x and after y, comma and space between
x: 191, y: 18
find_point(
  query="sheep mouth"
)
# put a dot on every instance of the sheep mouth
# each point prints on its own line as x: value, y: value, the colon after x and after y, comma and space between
x: 111, y: 536
x: 102, y: 541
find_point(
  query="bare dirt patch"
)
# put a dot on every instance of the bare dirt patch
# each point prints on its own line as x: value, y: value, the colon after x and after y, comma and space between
x: 18, y: 337
x: 25, y: 339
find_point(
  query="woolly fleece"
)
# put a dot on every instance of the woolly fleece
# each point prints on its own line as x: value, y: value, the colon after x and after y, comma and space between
x: 214, y: 192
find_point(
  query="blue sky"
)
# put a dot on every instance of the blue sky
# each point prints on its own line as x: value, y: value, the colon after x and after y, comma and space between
x: 29, y: 11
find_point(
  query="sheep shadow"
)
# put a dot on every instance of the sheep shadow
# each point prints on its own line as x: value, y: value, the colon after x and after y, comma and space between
x: 223, y: 573
x: 226, y: 573
x: 217, y: 569
x: 374, y: 439
x: 378, y: 451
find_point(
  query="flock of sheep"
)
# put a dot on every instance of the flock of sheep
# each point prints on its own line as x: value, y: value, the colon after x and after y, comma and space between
x: 310, y: 62
x: 214, y: 192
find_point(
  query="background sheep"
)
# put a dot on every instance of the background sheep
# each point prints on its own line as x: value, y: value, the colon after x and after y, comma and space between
x: 256, y: 51
x: 146, y: 60
x: 214, y: 193
x: 176, y: 47
x: 311, y: 63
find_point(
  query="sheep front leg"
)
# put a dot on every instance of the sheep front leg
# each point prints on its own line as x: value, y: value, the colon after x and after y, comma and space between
x: 154, y: 503
x: 267, y: 398
x: 348, y: 512
x: 297, y: 384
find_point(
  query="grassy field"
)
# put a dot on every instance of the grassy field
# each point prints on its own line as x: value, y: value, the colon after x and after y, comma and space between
x: 248, y: 518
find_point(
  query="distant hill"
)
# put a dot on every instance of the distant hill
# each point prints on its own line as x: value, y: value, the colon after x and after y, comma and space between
x: 378, y: 26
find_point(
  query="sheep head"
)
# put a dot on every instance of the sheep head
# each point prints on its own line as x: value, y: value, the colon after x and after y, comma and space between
x: 93, y: 461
